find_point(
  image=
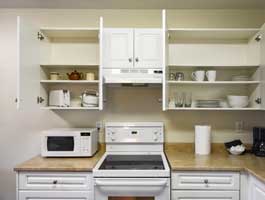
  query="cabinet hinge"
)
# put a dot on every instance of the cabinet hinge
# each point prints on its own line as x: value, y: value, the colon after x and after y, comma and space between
x: 258, y: 38
x: 40, y: 36
x: 40, y: 100
x: 258, y: 100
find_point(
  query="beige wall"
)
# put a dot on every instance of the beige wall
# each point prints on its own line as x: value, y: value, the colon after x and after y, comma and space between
x: 19, y: 130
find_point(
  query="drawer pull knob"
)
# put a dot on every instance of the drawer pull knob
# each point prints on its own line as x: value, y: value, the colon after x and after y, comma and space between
x: 55, y: 182
x: 206, y: 181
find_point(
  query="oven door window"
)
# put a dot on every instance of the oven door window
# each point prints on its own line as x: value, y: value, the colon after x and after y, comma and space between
x: 131, y: 198
x: 60, y: 143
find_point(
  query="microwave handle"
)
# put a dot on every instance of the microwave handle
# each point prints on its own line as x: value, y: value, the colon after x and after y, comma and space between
x: 128, y: 183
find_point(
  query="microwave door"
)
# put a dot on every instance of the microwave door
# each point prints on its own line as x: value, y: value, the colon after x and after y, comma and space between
x: 60, y: 145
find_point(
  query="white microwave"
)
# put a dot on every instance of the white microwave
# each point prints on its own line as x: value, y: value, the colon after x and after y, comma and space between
x: 69, y: 142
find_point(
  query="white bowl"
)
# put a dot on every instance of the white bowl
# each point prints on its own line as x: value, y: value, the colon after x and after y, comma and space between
x: 238, y: 101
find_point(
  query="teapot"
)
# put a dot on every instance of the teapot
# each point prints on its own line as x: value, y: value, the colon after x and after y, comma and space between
x: 75, y: 75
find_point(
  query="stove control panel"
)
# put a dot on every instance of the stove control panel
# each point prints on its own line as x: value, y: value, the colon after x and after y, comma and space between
x: 134, y: 135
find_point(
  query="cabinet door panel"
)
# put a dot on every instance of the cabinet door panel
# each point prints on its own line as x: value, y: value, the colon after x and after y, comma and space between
x: 256, y: 189
x: 118, y: 48
x: 55, y: 195
x: 204, y: 195
x: 27, y: 65
x: 148, y: 48
x: 262, y: 65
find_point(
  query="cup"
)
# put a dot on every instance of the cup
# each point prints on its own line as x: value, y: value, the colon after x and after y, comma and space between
x: 179, y: 99
x: 188, y: 99
x: 211, y: 75
x: 90, y: 76
x: 54, y: 76
x: 198, y: 75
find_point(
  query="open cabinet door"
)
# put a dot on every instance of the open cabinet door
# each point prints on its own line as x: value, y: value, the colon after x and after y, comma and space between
x: 27, y: 65
x: 164, y: 62
x: 262, y: 65
x: 101, y: 97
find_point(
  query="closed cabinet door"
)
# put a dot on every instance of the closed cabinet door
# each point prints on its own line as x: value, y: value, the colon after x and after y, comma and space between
x: 203, y: 195
x: 256, y: 189
x: 262, y: 65
x: 52, y: 195
x: 118, y: 48
x: 148, y: 48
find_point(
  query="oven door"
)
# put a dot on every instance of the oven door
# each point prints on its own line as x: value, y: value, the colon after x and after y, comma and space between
x: 132, y: 188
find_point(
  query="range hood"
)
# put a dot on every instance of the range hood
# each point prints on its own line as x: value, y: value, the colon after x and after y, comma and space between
x: 133, y: 77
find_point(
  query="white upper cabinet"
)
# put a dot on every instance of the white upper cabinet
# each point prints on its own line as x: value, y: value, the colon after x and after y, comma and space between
x: 28, y: 51
x: 128, y: 48
x: 42, y: 51
x: 118, y: 48
x: 148, y: 48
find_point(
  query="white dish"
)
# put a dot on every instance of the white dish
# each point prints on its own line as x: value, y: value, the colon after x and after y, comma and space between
x: 238, y: 101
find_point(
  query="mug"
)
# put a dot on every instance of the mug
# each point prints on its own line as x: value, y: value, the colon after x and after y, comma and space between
x: 54, y: 76
x: 198, y: 75
x: 90, y: 76
x: 211, y: 75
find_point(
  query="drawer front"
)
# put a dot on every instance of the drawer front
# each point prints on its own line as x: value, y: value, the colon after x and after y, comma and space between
x: 205, y: 180
x: 55, y: 181
x: 203, y: 195
x: 52, y: 195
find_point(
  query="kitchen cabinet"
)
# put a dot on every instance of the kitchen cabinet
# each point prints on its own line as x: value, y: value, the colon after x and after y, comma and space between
x: 55, y: 185
x: 229, y: 51
x: 256, y: 189
x: 205, y: 185
x: 132, y: 48
x: 42, y: 50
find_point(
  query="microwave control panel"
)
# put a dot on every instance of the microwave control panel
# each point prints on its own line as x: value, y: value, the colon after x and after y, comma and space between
x: 85, y: 141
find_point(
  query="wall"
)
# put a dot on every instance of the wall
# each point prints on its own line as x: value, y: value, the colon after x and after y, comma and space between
x: 19, y: 130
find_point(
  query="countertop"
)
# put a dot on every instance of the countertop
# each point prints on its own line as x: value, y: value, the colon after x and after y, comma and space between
x: 180, y: 157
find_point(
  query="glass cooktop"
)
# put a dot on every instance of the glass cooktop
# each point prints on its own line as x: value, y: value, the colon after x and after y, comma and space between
x: 132, y: 162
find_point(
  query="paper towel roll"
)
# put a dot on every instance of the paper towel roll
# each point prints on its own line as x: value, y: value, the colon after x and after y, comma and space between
x: 202, y: 140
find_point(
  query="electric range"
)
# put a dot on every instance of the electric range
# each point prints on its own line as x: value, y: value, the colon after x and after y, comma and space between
x: 134, y: 165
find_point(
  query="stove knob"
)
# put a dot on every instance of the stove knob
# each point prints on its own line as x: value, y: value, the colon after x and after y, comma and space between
x: 155, y: 138
x: 112, y: 138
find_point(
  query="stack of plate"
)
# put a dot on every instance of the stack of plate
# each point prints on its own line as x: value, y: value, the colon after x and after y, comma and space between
x: 240, y: 78
x: 211, y: 103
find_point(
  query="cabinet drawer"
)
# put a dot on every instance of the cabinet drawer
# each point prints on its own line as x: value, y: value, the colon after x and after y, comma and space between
x: 205, y: 180
x: 55, y: 181
x: 52, y: 195
x: 201, y: 195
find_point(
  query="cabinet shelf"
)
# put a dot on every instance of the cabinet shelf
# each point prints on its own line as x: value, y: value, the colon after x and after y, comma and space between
x: 227, y: 67
x: 67, y: 66
x: 214, y: 83
x: 69, y: 108
x: 218, y: 109
x: 237, y: 35
x: 69, y: 81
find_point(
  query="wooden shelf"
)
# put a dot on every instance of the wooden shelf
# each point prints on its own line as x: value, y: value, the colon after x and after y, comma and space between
x: 69, y: 81
x: 69, y: 108
x: 214, y: 83
x: 238, y: 35
x: 218, y: 109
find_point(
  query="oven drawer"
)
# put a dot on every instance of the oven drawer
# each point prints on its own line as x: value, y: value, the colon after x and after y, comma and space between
x: 55, y: 181
x: 200, y: 195
x: 205, y: 180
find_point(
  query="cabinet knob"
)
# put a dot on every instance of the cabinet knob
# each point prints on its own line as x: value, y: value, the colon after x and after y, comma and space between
x: 137, y: 59
x: 258, y: 100
x: 130, y: 59
x: 206, y: 181
x: 55, y: 182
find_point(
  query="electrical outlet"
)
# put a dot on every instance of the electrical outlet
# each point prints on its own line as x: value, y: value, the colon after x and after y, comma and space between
x: 99, y: 124
x: 239, y: 126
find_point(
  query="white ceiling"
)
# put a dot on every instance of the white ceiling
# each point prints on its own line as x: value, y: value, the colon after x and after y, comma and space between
x: 135, y: 4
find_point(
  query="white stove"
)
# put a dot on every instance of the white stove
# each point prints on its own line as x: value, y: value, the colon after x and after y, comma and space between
x: 134, y: 165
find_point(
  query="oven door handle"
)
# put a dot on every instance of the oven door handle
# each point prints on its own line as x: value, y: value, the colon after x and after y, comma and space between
x: 128, y: 183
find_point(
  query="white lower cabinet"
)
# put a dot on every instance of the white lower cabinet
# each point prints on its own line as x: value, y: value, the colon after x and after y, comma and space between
x: 52, y: 195
x: 55, y: 186
x: 256, y: 189
x: 191, y: 185
x: 203, y: 195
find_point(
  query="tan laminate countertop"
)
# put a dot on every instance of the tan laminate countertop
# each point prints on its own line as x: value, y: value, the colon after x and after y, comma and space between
x: 180, y: 157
